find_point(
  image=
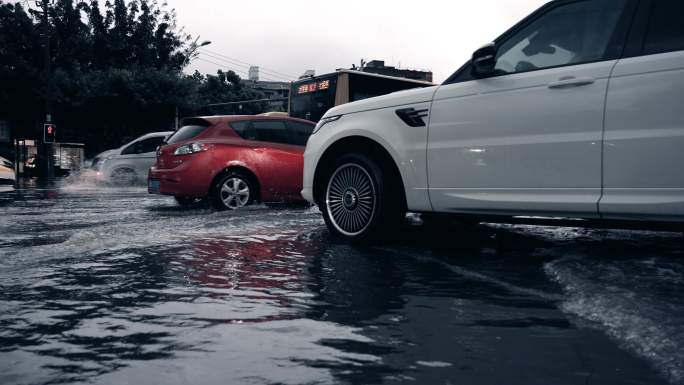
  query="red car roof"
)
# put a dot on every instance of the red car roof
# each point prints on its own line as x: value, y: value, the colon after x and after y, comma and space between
x: 214, y: 119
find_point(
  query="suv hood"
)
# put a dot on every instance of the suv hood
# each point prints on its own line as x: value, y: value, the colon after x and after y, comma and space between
x: 416, y: 95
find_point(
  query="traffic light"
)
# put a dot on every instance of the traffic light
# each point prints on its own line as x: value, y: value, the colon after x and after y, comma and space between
x: 49, y: 133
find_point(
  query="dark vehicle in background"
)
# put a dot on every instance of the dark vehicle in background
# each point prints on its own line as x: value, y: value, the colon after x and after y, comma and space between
x: 310, y: 98
x: 233, y: 160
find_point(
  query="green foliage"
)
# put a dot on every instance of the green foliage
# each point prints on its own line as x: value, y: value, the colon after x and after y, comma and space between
x: 225, y: 87
x: 19, y: 62
x: 116, y: 71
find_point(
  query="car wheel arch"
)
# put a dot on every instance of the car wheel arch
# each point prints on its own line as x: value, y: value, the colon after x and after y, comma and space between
x: 362, y: 145
x: 241, y: 169
x: 122, y: 168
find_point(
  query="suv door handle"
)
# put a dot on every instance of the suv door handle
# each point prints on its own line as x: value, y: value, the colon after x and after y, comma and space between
x: 571, y: 81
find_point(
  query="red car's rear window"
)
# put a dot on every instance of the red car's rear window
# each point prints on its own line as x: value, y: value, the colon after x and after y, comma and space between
x: 188, y: 131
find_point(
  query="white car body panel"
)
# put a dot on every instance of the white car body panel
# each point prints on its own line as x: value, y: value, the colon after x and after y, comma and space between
x: 486, y: 153
x: 108, y: 154
x: 396, y: 99
x: 405, y: 144
x: 7, y: 174
x: 603, y: 139
x: 140, y: 163
x: 644, y: 139
x: 511, y: 144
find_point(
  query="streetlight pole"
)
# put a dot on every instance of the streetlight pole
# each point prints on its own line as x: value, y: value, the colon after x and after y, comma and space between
x: 191, y: 54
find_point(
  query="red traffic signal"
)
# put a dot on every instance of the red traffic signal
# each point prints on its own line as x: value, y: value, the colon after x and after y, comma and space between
x: 49, y: 133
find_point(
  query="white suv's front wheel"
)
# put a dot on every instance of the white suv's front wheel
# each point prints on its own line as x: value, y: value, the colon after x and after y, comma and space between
x: 357, y: 201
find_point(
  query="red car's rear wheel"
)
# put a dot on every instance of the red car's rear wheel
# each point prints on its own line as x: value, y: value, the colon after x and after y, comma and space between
x: 233, y: 191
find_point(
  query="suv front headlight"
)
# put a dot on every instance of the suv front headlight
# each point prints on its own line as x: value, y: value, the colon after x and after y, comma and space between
x: 325, y: 121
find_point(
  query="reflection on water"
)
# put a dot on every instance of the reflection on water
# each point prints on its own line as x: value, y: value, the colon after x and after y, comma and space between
x: 114, y: 286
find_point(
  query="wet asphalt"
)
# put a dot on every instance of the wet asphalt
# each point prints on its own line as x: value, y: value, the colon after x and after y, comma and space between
x: 106, y: 285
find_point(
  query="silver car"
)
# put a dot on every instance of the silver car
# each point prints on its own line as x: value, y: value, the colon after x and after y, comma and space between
x: 7, y: 175
x: 130, y: 163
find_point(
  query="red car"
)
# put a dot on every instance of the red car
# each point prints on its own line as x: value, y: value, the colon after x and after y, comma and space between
x: 233, y: 160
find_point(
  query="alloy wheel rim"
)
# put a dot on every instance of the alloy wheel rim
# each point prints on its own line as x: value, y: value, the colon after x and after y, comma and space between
x: 235, y: 193
x: 350, y: 199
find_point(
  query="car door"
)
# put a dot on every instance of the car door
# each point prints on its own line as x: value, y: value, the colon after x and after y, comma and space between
x: 141, y: 154
x: 528, y: 138
x: 282, y: 161
x: 644, y: 140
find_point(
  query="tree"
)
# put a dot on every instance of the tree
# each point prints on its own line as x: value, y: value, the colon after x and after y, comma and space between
x: 225, y: 87
x: 116, y: 72
x: 19, y: 74
x: 116, y: 69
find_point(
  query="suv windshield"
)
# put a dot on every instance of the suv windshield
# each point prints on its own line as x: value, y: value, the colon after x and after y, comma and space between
x: 185, y: 133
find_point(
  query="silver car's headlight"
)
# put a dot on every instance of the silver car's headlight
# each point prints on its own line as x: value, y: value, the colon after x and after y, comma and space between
x: 97, y: 165
x: 325, y: 121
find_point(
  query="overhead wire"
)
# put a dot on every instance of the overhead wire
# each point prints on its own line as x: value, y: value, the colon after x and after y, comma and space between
x: 271, y: 71
x: 267, y: 74
x: 250, y: 64
x: 233, y: 66
x: 222, y: 65
x: 243, y: 72
x: 229, y: 62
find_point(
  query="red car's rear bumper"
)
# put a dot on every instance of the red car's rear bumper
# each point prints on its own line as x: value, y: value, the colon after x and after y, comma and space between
x: 185, y: 180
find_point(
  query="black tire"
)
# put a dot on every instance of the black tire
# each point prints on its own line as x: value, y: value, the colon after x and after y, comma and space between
x: 358, y: 199
x: 123, y: 177
x: 219, y: 194
x: 187, y: 202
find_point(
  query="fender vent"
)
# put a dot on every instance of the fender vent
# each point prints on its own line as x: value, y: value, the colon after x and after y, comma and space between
x: 413, y: 117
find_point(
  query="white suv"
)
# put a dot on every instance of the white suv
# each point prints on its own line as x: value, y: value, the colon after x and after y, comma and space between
x: 575, y: 112
x: 129, y: 163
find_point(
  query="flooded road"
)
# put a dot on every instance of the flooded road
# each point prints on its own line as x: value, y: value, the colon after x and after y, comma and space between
x: 114, y: 286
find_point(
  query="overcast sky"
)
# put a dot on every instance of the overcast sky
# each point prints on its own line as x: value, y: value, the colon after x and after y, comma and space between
x: 289, y: 37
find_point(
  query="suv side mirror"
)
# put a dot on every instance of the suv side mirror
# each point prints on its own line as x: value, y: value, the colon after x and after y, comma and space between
x: 484, y: 60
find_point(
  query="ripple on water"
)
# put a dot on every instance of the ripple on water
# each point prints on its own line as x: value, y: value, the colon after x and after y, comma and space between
x: 638, y: 302
x: 132, y: 288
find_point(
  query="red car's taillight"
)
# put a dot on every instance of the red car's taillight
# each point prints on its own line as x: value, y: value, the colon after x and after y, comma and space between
x: 191, y: 148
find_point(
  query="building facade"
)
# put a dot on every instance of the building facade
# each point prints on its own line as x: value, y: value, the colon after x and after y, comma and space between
x: 277, y: 91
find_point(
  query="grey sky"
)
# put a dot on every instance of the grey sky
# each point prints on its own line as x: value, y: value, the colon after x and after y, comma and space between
x: 292, y: 36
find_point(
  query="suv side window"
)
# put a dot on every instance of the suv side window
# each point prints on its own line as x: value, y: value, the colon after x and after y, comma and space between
x: 665, y: 32
x: 573, y: 33
x: 144, y: 146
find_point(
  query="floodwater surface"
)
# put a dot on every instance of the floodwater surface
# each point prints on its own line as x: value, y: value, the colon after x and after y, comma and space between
x: 112, y: 286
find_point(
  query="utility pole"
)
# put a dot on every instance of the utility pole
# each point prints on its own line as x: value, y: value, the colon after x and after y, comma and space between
x: 48, y: 161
